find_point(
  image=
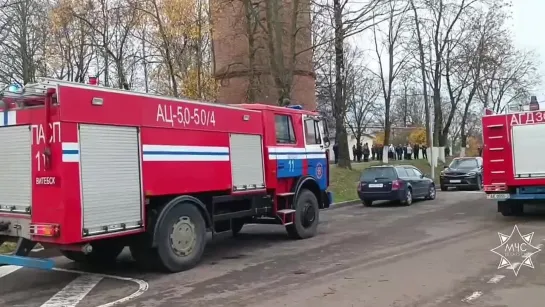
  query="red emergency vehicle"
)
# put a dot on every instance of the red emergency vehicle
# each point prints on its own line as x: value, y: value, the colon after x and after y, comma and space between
x: 513, y: 168
x: 90, y: 170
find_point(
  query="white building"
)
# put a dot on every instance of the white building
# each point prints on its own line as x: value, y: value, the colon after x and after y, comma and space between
x: 365, y: 138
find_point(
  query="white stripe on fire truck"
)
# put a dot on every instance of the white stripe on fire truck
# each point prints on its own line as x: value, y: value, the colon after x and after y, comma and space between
x: 8, y: 118
x: 70, y: 152
x: 293, y: 153
x: 179, y: 153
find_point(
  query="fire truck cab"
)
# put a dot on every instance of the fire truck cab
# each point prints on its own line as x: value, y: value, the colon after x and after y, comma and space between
x: 90, y: 170
x: 513, y: 168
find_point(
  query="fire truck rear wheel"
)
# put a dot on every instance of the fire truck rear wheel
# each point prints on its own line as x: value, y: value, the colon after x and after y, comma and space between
x: 236, y: 226
x: 511, y: 208
x: 307, y: 216
x: 182, y: 238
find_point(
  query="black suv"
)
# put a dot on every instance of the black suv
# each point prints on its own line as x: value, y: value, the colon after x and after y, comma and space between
x: 463, y: 173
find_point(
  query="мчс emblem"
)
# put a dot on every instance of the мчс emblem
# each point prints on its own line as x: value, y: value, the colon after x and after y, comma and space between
x: 516, y: 250
x: 319, y: 170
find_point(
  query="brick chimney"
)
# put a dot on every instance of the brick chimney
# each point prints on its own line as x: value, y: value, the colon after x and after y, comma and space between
x: 231, y: 54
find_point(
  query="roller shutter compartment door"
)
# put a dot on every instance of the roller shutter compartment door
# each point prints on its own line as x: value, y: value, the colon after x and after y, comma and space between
x: 110, y: 178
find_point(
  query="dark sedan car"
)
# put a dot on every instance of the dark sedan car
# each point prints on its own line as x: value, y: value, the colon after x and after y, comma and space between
x: 463, y: 173
x: 395, y: 183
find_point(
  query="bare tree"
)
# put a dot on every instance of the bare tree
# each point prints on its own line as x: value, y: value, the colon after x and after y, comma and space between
x: 389, y: 69
x: 346, y: 21
x: 446, y: 16
x: 487, y: 32
x: 422, y: 64
x: 362, y: 90
x: 113, y: 24
x: 22, y: 47
x: 72, y: 41
x: 509, y: 76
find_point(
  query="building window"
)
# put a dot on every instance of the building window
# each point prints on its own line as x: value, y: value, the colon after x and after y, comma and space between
x: 312, y: 132
x: 284, y: 129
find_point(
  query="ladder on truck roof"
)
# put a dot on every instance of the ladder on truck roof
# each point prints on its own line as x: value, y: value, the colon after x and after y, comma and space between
x: 32, y: 91
x: 38, y: 90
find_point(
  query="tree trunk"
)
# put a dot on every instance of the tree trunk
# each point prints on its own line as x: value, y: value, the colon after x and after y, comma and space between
x: 423, y: 73
x: 250, y: 31
x: 339, y: 103
x: 387, y: 128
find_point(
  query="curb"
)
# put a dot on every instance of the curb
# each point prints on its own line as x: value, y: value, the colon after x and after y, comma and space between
x: 343, y: 204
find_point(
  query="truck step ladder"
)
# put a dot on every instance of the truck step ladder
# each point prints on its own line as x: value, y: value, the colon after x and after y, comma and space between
x: 287, y: 216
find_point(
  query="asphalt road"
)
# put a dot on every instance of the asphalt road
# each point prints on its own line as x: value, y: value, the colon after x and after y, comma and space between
x: 433, y: 253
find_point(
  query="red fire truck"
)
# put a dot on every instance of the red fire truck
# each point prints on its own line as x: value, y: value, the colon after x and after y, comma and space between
x: 90, y: 170
x: 513, y: 169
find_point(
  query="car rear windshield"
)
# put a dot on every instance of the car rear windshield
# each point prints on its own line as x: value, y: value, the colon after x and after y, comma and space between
x: 378, y: 173
x: 464, y: 163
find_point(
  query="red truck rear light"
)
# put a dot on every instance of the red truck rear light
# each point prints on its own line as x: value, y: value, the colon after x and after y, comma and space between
x: 495, y: 188
x: 45, y: 230
x: 396, y: 185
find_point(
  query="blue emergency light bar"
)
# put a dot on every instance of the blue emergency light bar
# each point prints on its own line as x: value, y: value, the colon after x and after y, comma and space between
x: 296, y: 107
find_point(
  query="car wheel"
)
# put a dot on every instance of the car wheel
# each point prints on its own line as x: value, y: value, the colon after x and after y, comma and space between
x: 408, y: 198
x: 367, y: 203
x: 479, y: 185
x: 431, y: 192
x: 444, y: 188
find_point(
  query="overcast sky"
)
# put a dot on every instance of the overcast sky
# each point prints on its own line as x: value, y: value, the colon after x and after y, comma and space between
x: 528, y: 24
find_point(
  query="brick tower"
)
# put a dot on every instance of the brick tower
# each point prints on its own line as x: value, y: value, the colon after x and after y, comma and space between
x: 232, y: 49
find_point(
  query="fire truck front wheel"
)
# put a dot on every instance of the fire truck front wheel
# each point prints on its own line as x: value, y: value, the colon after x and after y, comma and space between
x: 307, y: 216
x: 182, y: 238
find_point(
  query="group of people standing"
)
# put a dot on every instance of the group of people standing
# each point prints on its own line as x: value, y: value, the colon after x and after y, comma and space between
x: 407, y: 152
x: 376, y: 151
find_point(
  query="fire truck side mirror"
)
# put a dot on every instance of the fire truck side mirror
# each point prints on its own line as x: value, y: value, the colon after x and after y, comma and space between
x: 326, y: 141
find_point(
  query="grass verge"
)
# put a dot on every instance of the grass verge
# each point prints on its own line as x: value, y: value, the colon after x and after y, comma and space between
x: 343, y: 182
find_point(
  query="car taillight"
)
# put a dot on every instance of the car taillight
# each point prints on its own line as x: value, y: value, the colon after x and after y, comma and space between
x: 396, y: 184
x: 359, y: 186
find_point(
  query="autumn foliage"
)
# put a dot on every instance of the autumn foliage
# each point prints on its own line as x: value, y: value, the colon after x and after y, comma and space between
x: 472, y: 149
x: 172, y: 40
x: 415, y: 136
